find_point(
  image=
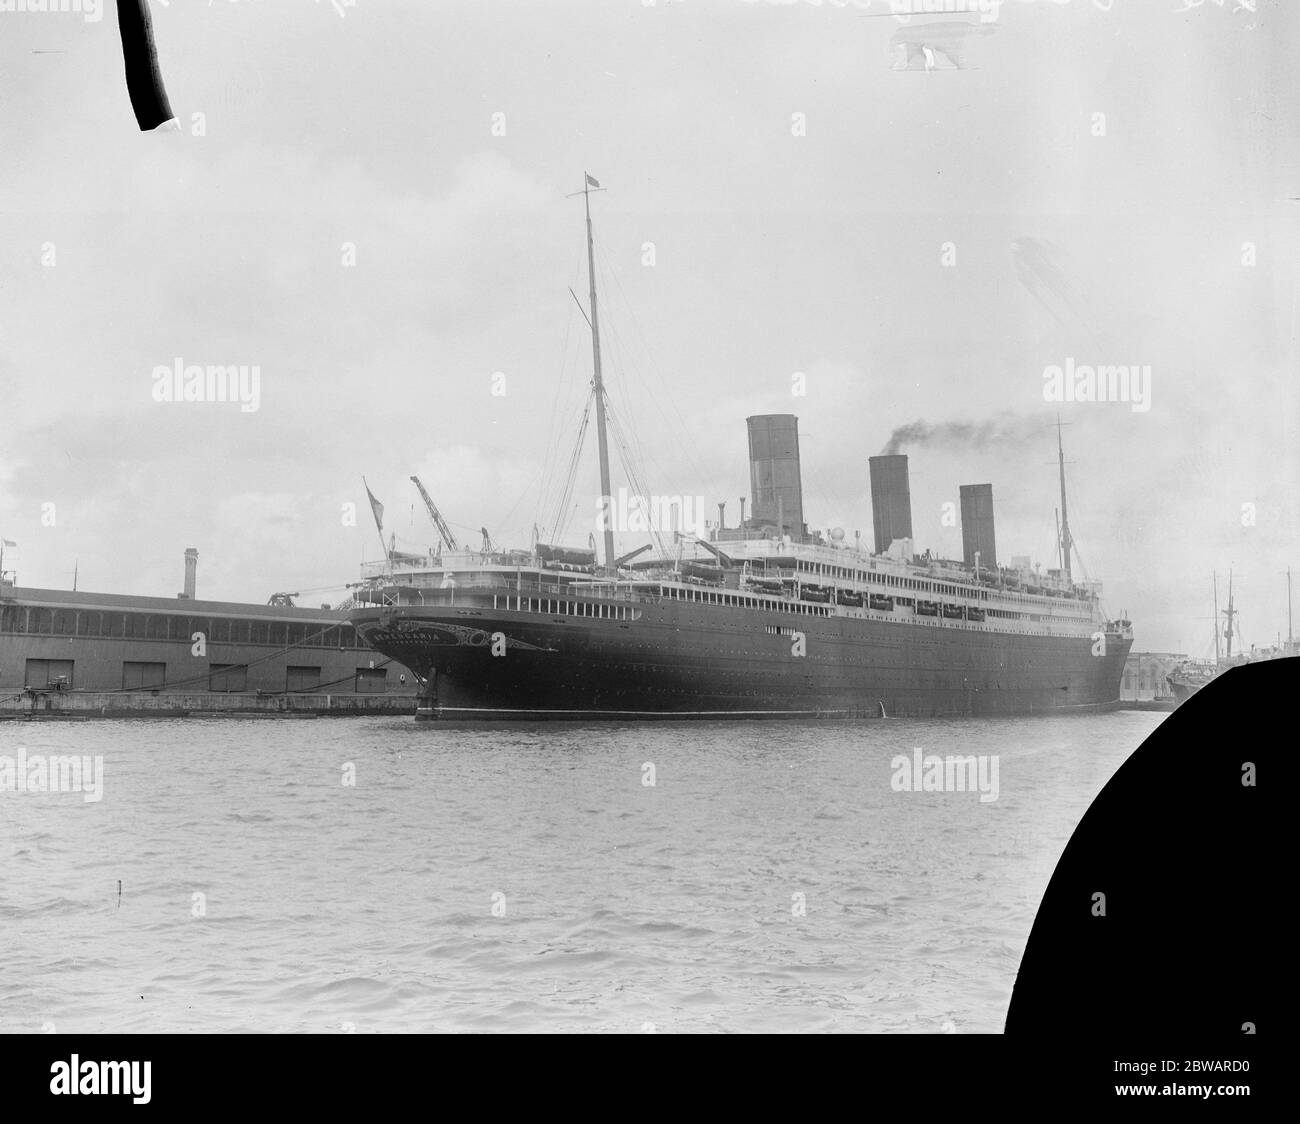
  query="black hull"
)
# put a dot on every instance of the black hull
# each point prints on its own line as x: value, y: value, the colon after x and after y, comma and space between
x: 687, y: 661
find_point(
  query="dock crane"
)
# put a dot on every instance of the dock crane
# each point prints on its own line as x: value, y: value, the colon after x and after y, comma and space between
x: 438, y: 521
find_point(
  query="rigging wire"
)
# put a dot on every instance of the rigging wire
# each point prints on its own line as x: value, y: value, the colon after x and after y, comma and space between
x: 550, y: 465
x: 1074, y: 503
x: 559, y: 522
x: 616, y: 353
x: 633, y: 471
x: 609, y: 269
x: 677, y: 423
x: 635, y: 461
x: 620, y: 364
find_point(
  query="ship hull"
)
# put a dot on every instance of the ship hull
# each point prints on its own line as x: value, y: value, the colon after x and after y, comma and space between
x: 679, y: 662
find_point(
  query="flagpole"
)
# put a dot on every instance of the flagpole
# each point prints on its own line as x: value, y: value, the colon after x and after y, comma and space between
x: 379, y: 527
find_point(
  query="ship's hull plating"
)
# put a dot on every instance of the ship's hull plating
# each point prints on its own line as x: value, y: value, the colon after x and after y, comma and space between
x: 690, y: 661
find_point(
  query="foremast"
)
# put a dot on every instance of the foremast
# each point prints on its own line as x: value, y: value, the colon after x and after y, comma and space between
x: 597, y: 383
x: 1066, y: 542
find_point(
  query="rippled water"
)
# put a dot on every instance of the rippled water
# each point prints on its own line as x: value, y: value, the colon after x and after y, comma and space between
x: 328, y: 907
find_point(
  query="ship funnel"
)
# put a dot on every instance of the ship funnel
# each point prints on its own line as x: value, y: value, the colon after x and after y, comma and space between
x: 977, y: 525
x: 891, y: 500
x: 191, y: 572
x: 774, y: 476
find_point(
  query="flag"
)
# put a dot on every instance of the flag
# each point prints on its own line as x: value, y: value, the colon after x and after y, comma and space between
x: 8, y: 542
x: 592, y: 180
x: 376, y: 508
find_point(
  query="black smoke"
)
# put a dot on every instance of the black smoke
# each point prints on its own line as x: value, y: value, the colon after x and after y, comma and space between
x: 1005, y: 430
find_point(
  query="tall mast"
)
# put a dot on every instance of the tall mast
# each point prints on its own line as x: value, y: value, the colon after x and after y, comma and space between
x: 1229, y: 612
x: 598, y: 385
x: 1065, y: 516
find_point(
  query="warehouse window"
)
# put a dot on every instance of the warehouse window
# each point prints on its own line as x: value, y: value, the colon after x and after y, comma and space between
x: 228, y: 677
x: 46, y: 673
x: 302, y: 678
x: 137, y: 675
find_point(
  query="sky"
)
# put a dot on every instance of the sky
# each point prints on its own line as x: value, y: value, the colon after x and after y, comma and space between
x: 367, y: 204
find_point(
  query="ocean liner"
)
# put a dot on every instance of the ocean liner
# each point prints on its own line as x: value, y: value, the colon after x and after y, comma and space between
x: 761, y: 620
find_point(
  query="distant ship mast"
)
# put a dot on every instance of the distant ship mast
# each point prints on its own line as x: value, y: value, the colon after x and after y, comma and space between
x: 1229, y: 612
x: 1066, y: 542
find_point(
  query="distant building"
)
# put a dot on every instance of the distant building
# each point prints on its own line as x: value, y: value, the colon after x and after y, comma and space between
x: 1144, y: 676
x: 103, y: 642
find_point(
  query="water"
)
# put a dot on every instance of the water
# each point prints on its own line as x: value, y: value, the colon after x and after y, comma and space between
x: 627, y: 907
